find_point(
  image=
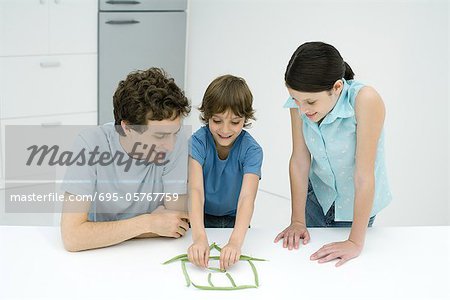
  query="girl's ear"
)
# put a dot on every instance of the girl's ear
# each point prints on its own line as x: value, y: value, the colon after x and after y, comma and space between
x: 338, y: 86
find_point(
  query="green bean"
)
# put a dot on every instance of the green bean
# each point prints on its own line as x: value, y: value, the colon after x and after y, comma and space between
x: 224, y: 288
x: 181, y: 256
x: 209, y: 280
x: 215, y: 246
x: 216, y: 269
x: 231, y: 279
x: 255, y: 273
x: 246, y: 257
x: 186, y: 275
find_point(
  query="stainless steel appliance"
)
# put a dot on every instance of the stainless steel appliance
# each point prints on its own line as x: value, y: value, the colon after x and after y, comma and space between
x: 137, y: 35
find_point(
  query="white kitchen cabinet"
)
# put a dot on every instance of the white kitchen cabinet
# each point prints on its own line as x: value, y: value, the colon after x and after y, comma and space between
x: 48, y: 75
x: 40, y: 27
x: 47, y: 85
x: 23, y: 27
x: 2, y: 168
x: 73, y: 26
x: 48, y: 123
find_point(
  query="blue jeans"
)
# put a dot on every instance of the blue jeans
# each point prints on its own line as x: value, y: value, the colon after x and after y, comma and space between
x: 211, y: 221
x: 316, y: 218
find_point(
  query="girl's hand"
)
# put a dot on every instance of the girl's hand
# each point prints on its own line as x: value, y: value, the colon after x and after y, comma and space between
x: 344, y: 251
x: 229, y: 255
x: 198, y: 253
x: 292, y: 234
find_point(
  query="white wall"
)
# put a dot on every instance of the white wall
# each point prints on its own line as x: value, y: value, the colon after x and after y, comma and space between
x: 399, y: 47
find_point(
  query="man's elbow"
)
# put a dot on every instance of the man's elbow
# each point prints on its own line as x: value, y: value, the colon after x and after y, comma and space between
x: 70, y: 241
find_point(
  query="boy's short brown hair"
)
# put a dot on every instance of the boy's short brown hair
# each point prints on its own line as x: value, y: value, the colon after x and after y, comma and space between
x: 148, y: 95
x: 224, y: 93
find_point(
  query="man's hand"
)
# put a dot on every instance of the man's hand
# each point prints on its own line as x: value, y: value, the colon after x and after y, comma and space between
x: 169, y: 223
x: 343, y: 251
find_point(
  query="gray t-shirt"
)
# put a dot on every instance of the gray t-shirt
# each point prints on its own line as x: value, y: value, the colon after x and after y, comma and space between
x: 121, y: 191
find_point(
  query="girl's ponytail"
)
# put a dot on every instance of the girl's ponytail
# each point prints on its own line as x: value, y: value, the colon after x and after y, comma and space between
x: 315, y: 67
x: 348, y: 75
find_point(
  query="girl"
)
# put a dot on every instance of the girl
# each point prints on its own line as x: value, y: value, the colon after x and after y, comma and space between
x: 224, y: 169
x: 337, y: 170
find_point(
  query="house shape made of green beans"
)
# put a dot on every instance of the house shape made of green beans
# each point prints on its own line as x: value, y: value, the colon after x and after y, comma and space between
x: 233, y: 286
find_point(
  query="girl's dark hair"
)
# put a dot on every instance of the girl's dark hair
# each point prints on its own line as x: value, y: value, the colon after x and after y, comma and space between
x: 315, y: 67
x: 148, y: 95
x: 224, y: 93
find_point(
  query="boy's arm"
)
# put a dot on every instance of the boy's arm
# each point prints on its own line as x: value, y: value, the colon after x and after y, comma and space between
x: 80, y: 234
x: 196, y: 200
x: 246, y: 204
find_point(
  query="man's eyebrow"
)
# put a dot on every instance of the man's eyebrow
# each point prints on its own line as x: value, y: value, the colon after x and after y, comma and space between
x: 166, y: 133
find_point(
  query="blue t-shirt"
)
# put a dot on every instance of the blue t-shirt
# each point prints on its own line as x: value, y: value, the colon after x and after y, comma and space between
x: 222, y: 179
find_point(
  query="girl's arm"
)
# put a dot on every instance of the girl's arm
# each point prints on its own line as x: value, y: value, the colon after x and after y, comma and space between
x: 198, y: 252
x: 370, y: 114
x: 299, y: 165
x: 232, y: 251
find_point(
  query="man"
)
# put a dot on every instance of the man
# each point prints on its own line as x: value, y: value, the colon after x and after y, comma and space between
x: 135, y: 175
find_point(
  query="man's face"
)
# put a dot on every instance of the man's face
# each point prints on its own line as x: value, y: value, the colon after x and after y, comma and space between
x: 156, y: 136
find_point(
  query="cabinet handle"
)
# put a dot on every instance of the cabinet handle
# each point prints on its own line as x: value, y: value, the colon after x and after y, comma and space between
x: 122, y: 2
x: 50, y: 64
x: 51, y: 124
x: 122, y: 22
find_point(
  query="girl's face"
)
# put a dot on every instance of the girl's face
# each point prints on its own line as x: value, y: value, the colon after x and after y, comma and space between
x: 317, y: 105
x: 225, y: 128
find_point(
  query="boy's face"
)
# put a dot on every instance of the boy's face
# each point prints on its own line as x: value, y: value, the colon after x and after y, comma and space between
x: 317, y: 105
x: 158, y: 136
x: 225, y: 128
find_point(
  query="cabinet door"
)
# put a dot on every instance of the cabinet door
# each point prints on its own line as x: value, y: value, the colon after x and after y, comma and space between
x: 143, y: 5
x: 2, y: 168
x: 48, y: 124
x: 23, y: 27
x: 47, y: 85
x: 73, y: 26
x: 138, y: 40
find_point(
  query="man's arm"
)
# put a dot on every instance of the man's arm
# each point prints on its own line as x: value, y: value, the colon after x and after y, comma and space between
x: 80, y: 234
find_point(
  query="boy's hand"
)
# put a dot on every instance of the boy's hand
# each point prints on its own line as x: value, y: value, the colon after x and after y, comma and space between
x: 198, y: 253
x: 344, y: 251
x: 292, y: 234
x: 229, y: 255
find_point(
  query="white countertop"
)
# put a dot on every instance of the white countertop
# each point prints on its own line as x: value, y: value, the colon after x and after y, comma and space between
x: 397, y: 262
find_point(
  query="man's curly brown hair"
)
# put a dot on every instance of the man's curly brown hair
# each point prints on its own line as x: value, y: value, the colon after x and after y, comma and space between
x: 148, y: 95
